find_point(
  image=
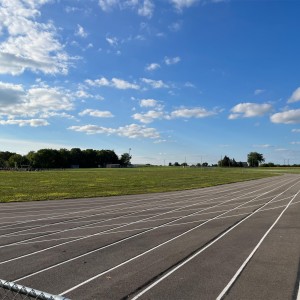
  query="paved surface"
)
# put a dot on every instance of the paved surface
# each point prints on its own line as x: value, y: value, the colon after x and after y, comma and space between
x: 237, y: 241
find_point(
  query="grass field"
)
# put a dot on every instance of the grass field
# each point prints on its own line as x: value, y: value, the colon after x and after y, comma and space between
x: 63, y: 184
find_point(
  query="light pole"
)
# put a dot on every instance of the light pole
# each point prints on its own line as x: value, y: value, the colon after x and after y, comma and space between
x: 129, y: 151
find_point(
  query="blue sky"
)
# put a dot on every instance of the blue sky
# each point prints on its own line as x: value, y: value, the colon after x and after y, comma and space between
x: 170, y: 79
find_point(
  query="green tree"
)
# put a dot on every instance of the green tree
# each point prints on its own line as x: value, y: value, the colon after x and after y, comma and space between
x: 16, y: 160
x: 255, y: 158
x: 225, y: 162
x: 105, y: 157
x: 125, y: 159
x: 46, y: 158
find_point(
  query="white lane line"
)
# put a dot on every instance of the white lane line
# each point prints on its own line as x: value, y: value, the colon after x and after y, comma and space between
x: 298, y: 296
x: 197, y: 253
x: 92, y: 201
x: 158, y: 199
x: 170, y: 240
x: 178, y: 209
x: 105, y: 213
x: 100, y: 233
x: 108, y: 212
x: 68, y: 221
x: 168, y: 225
x: 90, y: 222
x: 133, y: 236
x: 89, y: 226
x: 106, y: 220
x: 242, y: 267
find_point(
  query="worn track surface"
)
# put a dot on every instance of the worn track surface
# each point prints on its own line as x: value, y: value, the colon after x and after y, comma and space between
x: 236, y: 241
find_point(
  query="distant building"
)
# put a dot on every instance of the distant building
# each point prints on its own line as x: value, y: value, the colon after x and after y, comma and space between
x: 113, y: 166
x: 74, y: 166
x: 245, y: 164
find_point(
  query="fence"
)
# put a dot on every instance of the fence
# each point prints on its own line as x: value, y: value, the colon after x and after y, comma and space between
x: 11, y: 291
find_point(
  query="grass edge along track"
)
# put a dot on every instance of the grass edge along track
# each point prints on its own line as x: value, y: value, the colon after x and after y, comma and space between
x: 89, y: 183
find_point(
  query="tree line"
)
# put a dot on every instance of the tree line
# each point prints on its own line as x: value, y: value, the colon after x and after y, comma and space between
x: 63, y: 158
x: 254, y: 159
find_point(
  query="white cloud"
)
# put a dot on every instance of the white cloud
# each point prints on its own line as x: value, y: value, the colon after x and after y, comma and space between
x: 172, y: 60
x: 176, y: 26
x: 281, y: 149
x: 249, y: 110
x: 148, y: 117
x: 113, y: 41
x: 28, y: 44
x: 258, y: 92
x: 197, y: 112
x: 22, y: 123
x: 287, y: 117
x: 152, y: 67
x: 180, y: 4
x: 123, y: 85
x: 263, y: 146
x: 82, y: 94
x: 52, y: 114
x: 48, y: 99
x: 16, y: 101
x: 130, y: 131
x: 81, y: 32
x: 295, y: 96
x: 98, y: 82
x: 114, y: 82
x: 295, y: 143
x: 97, y: 113
x: 296, y: 130
x: 156, y: 84
x: 70, y: 9
x: 107, y: 5
x: 10, y: 94
x: 158, y: 113
x: 189, y: 85
x: 159, y: 141
x: 144, y: 8
x: 148, y: 103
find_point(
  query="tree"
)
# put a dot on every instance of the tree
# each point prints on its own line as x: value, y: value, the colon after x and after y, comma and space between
x: 125, y: 159
x: 15, y: 161
x: 75, y: 156
x: 4, y: 157
x: 105, y: 157
x: 255, y: 158
x: 46, y: 158
x: 225, y: 162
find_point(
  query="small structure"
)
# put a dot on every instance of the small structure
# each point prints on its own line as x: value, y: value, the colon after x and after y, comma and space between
x: 113, y: 166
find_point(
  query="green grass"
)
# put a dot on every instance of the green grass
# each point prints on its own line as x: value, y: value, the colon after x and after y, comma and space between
x: 48, y: 185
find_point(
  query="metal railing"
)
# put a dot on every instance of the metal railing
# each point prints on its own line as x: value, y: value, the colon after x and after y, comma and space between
x: 11, y: 291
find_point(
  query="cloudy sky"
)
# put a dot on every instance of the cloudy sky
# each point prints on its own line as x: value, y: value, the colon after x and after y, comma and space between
x: 169, y: 79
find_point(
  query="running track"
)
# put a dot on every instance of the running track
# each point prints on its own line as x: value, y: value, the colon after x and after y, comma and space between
x: 236, y: 241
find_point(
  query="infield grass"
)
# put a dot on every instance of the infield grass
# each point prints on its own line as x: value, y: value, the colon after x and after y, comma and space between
x: 82, y: 183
